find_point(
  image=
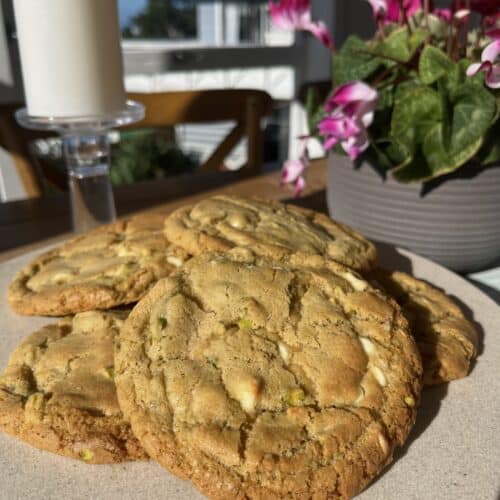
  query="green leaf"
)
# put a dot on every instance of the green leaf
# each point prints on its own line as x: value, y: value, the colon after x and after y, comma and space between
x: 417, y: 109
x: 353, y: 62
x: 489, y: 154
x: 434, y: 64
x: 442, y: 161
x: 395, y: 46
x: 474, y: 110
x: 417, y: 39
x: 314, y: 110
x: 415, y: 170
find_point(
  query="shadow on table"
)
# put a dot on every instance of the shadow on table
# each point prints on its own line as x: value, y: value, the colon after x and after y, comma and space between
x: 428, y: 410
x: 488, y: 290
x: 390, y: 258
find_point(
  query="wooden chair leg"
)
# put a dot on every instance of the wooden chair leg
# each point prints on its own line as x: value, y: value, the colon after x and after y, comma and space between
x: 216, y: 160
x: 253, y: 114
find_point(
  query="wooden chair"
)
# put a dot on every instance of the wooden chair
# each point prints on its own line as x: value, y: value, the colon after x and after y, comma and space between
x: 15, y: 141
x: 245, y: 107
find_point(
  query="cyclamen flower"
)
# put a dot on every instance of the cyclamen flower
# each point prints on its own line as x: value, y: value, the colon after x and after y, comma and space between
x: 493, y: 26
x: 490, y: 64
x: 494, y: 34
x: 443, y: 14
x: 394, y: 14
x: 350, y: 112
x: 379, y: 8
x: 460, y: 15
x: 389, y: 11
x: 296, y: 15
x: 293, y: 170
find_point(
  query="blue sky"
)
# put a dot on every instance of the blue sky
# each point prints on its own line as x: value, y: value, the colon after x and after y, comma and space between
x: 128, y: 8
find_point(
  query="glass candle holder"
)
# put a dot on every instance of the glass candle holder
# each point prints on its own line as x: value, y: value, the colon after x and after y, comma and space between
x: 87, y: 156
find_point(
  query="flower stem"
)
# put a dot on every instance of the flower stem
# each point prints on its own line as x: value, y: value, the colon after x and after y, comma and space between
x: 405, y: 16
x: 426, y: 13
x: 450, y: 42
x: 381, y: 29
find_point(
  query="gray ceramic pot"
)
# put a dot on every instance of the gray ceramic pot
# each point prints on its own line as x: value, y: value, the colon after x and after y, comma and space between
x: 456, y: 224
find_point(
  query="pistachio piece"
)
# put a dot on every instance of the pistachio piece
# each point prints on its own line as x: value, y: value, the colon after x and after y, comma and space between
x: 245, y: 324
x: 212, y: 362
x: 87, y: 455
x: 409, y: 401
x: 35, y: 406
x: 294, y: 397
x: 162, y: 322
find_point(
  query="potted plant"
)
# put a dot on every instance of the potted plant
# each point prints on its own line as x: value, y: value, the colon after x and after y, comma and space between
x: 414, y: 112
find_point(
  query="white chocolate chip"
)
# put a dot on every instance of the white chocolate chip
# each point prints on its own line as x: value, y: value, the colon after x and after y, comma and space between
x: 368, y: 346
x: 284, y: 352
x: 358, y: 284
x: 361, y: 396
x: 384, y: 445
x: 246, y: 389
x: 379, y: 375
x: 175, y: 261
x: 238, y: 221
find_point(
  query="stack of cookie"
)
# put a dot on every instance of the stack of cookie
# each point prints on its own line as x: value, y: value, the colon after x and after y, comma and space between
x: 266, y: 355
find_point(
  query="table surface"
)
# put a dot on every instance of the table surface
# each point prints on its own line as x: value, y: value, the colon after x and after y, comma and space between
x: 31, y: 224
x: 453, y: 452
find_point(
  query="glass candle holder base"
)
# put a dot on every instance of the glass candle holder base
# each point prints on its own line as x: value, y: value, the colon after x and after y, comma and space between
x: 87, y: 157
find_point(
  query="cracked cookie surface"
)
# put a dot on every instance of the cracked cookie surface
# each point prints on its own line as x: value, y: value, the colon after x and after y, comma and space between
x: 58, y: 393
x: 447, y: 341
x: 110, y: 266
x: 269, y: 229
x: 262, y: 380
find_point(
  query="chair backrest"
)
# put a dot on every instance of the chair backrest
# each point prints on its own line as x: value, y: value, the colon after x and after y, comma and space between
x: 245, y: 107
x: 15, y: 141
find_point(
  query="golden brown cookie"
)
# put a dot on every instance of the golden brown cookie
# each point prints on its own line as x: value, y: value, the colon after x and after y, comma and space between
x: 108, y: 267
x: 261, y: 380
x: 269, y: 229
x: 447, y: 341
x: 58, y: 393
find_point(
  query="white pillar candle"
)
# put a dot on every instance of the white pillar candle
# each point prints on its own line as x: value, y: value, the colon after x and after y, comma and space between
x: 71, y: 57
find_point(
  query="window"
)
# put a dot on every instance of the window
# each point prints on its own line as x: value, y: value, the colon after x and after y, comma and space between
x: 158, y: 19
x: 212, y: 23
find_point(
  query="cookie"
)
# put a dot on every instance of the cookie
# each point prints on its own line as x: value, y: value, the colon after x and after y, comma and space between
x: 256, y: 379
x: 447, y: 341
x: 269, y: 228
x: 108, y: 267
x: 58, y: 393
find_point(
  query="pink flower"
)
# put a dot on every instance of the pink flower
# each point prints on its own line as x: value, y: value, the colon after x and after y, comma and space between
x: 494, y: 34
x: 443, y: 14
x: 446, y: 15
x: 350, y: 110
x: 493, y: 26
x: 293, y: 170
x: 394, y: 14
x: 296, y: 15
x: 489, y: 64
x: 389, y: 11
x: 379, y: 8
